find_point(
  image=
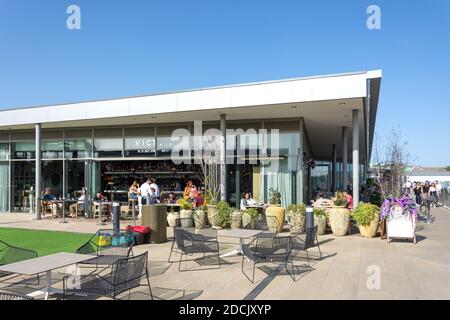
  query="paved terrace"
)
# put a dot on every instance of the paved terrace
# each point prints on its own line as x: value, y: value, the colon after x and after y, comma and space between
x: 408, y: 271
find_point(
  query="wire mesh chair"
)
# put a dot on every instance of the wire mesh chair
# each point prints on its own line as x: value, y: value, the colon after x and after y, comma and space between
x: 107, y: 246
x: 302, y: 241
x: 196, y: 241
x: 265, y: 250
x: 124, y: 275
x: 13, y: 296
x: 10, y: 254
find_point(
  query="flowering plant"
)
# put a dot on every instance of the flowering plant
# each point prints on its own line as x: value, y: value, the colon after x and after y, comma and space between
x: 404, y: 202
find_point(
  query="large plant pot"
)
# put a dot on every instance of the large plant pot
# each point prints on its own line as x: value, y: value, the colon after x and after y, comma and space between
x: 213, y: 217
x: 278, y: 213
x: 172, y: 218
x: 371, y: 230
x: 321, y: 223
x: 186, y: 218
x: 339, y: 221
x: 296, y: 221
x: 236, y: 220
x: 200, y: 218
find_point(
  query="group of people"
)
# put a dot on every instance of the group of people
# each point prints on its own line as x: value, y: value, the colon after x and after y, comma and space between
x: 149, y: 191
x: 427, y: 194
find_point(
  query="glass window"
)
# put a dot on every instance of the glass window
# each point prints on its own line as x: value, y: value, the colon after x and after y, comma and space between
x: 4, y: 151
x: 22, y: 184
x: 23, y: 150
x: 52, y: 177
x: 165, y: 145
x: 52, y: 149
x: 4, y: 187
x: 78, y: 148
x: 108, y: 147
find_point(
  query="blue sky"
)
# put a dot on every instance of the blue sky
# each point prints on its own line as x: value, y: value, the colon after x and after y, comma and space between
x: 136, y: 47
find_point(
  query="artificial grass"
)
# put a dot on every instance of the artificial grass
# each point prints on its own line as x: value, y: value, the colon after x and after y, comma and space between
x: 44, y: 242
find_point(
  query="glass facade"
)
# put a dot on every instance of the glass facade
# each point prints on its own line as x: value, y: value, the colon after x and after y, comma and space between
x: 73, y: 159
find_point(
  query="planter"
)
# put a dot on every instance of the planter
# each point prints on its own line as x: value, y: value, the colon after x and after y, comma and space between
x: 297, y: 221
x: 172, y: 218
x: 248, y: 220
x: 213, y: 217
x: 186, y: 218
x: 371, y: 230
x: 200, y: 218
x: 339, y: 220
x: 278, y: 213
x: 236, y: 220
x: 321, y: 223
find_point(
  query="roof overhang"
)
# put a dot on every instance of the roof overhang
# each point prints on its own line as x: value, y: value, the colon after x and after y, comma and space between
x: 325, y: 103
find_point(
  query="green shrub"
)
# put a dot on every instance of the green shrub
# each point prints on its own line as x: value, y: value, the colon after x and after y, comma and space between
x: 224, y: 211
x: 365, y: 214
x: 318, y: 212
x: 184, y: 204
x: 274, y: 197
x: 339, y: 200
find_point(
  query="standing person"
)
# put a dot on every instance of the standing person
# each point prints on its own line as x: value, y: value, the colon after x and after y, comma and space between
x: 146, y: 191
x: 438, y: 190
x: 408, y: 187
x: 426, y: 198
x: 433, y: 194
x: 155, y: 187
x: 418, y: 193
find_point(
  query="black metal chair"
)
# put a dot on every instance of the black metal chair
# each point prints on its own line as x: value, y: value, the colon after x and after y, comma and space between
x: 265, y: 250
x: 10, y: 254
x: 107, y: 246
x: 13, y: 296
x: 196, y: 241
x: 302, y: 241
x: 124, y: 275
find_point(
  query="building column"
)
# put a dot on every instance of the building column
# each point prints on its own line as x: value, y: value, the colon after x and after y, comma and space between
x: 344, y: 158
x: 223, y: 157
x: 355, y: 158
x: 333, y: 169
x: 300, y: 169
x: 38, y: 172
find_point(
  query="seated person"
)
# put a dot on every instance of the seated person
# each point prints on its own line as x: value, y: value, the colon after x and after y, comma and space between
x: 172, y: 198
x: 152, y: 198
x: 47, y: 199
x: 349, y: 199
x: 99, y: 197
x: 247, y: 201
x: 196, y: 197
x: 73, y: 207
x: 133, y: 191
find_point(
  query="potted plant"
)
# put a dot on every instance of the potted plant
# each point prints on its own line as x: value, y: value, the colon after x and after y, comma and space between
x: 275, y: 209
x: 200, y: 217
x: 249, y: 217
x: 224, y: 213
x: 172, y: 217
x: 236, y: 219
x: 186, y: 213
x: 339, y: 215
x: 296, y: 217
x: 320, y: 220
x: 367, y: 216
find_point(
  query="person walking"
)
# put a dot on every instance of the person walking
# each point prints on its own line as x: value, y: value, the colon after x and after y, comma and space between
x: 418, y: 193
x: 408, y: 187
x: 426, y: 200
x: 438, y: 190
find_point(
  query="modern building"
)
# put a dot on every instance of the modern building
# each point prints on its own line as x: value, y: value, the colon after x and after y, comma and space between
x: 325, y: 125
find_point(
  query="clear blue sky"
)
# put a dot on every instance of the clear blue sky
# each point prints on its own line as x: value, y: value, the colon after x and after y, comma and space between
x: 136, y: 47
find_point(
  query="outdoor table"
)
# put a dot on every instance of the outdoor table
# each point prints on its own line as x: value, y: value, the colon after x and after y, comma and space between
x: 63, y: 202
x: 45, y: 264
x: 241, y: 234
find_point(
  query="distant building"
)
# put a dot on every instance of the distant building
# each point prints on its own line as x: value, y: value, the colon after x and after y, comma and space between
x: 422, y: 174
